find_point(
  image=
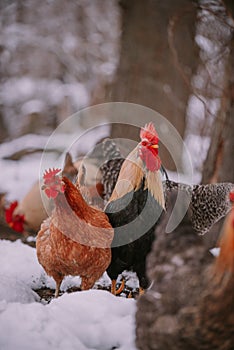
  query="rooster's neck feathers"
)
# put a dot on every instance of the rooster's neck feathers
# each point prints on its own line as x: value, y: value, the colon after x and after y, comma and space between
x: 154, y: 184
x: 131, y: 177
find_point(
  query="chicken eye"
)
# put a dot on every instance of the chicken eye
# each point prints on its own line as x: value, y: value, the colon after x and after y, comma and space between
x: 144, y: 143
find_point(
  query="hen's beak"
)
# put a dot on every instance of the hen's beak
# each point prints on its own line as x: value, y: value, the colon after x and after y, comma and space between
x: 154, y: 146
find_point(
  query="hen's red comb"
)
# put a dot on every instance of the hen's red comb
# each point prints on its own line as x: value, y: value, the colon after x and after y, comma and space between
x: 9, y: 211
x: 16, y: 222
x: 231, y: 196
x: 149, y: 133
x: 49, y: 174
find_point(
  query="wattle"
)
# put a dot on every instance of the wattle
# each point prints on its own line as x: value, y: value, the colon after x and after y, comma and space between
x: 152, y: 161
x: 51, y: 193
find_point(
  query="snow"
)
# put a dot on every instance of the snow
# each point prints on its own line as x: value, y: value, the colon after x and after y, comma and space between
x: 67, y: 137
x: 82, y: 320
x: 215, y: 251
x: 13, y: 290
x: 56, y: 56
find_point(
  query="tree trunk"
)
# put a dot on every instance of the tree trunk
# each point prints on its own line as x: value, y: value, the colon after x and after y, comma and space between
x: 3, y: 128
x: 147, y: 73
x: 230, y: 7
x: 219, y: 165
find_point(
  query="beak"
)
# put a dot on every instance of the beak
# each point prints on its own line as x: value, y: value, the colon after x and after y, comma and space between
x: 154, y: 146
x: 43, y: 187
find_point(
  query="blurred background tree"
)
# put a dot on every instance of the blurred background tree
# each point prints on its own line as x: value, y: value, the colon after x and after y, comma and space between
x: 54, y: 55
x: 219, y: 164
x: 58, y: 57
x: 157, y: 36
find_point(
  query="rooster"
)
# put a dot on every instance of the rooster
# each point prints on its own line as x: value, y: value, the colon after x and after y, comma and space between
x: 190, y: 304
x: 207, y: 203
x: 76, y: 238
x: 135, y: 207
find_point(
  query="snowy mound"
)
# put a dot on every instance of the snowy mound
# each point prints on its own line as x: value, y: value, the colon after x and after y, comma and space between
x: 83, y: 320
x: 13, y: 290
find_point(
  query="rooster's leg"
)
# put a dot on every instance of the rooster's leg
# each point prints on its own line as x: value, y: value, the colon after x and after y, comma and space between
x: 119, y: 290
x: 113, y: 287
x: 141, y: 292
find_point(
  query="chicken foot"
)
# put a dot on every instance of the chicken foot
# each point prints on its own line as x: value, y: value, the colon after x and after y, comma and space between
x: 119, y: 290
x: 58, y: 281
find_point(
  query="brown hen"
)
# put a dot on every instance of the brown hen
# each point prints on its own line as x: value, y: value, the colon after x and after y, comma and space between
x: 76, y: 238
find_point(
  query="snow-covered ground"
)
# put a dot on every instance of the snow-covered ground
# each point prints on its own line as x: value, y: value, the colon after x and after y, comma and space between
x: 82, y: 320
x: 22, y: 174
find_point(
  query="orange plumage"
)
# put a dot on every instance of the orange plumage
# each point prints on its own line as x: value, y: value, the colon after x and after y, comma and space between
x: 225, y: 260
x: 76, y: 238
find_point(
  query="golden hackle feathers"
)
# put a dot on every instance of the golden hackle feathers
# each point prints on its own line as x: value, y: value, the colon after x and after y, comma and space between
x: 153, y: 182
x: 130, y: 176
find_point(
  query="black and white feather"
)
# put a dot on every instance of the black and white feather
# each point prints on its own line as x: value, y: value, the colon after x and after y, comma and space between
x: 110, y: 168
x: 208, y: 203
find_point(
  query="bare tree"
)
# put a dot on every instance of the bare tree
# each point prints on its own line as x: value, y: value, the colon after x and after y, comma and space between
x: 157, y: 44
x: 219, y: 165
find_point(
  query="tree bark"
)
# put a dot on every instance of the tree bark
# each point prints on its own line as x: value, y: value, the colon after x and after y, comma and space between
x: 229, y: 6
x: 219, y: 165
x: 3, y: 128
x: 147, y: 73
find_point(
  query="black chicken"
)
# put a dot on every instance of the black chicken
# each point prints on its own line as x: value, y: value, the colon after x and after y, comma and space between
x: 135, y: 207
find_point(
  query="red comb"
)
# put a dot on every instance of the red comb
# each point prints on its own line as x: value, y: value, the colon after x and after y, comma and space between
x: 16, y: 222
x: 231, y: 196
x: 9, y: 211
x: 49, y: 174
x: 149, y: 133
